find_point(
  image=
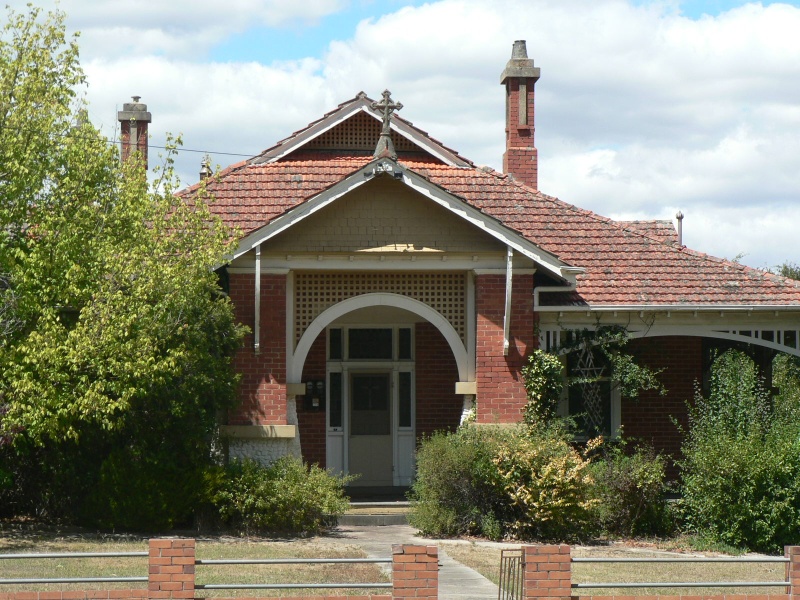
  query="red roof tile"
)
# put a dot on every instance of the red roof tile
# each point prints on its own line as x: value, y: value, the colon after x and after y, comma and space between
x: 627, y: 263
x: 624, y: 266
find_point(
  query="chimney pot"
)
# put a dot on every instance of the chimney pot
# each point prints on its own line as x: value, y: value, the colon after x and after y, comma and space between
x: 520, y: 50
x: 205, y: 168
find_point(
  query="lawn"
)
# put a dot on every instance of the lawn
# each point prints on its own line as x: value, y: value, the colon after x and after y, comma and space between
x: 481, y: 556
x: 207, y: 548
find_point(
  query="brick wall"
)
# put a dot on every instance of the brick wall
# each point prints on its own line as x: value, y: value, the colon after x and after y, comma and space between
x: 311, y: 422
x: 521, y: 157
x: 415, y: 574
x: 548, y: 574
x: 650, y: 417
x: 263, y: 385
x: 171, y: 569
x: 415, y: 571
x: 438, y: 406
x: 501, y: 391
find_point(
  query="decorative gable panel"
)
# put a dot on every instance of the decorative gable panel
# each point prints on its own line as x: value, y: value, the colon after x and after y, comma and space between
x: 360, y: 132
x: 383, y: 215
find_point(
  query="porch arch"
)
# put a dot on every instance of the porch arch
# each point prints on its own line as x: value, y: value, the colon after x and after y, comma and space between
x: 783, y: 339
x: 755, y: 338
x: 329, y: 315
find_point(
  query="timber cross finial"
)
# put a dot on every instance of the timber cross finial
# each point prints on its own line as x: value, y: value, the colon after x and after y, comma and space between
x: 387, y: 106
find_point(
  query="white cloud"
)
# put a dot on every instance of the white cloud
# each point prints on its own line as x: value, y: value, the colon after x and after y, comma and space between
x: 640, y: 111
x: 176, y: 28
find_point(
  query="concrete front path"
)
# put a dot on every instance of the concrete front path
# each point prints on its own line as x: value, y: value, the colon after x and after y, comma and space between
x: 456, y: 582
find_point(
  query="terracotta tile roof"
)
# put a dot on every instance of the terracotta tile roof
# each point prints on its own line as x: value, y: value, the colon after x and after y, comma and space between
x: 247, y: 197
x: 626, y: 264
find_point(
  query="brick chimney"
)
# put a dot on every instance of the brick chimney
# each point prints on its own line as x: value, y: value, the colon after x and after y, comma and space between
x: 133, y: 119
x: 519, y: 77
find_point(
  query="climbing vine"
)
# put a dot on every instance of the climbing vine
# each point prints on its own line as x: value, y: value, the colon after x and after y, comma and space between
x: 596, y: 356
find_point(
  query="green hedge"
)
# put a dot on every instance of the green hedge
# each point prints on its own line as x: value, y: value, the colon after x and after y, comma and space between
x: 286, y: 497
x: 502, y: 481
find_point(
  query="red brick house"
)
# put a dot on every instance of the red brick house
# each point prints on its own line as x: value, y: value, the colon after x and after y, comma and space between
x: 391, y: 286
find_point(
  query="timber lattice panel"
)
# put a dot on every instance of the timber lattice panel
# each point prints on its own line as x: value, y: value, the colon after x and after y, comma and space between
x: 316, y: 292
x: 359, y: 132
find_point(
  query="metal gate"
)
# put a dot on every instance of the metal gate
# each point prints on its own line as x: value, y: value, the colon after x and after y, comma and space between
x: 512, y: 574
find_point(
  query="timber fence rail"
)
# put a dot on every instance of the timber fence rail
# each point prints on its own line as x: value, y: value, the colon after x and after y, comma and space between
x: 171, y: 575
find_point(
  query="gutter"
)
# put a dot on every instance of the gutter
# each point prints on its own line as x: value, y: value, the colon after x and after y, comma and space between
x: 660, y: 307
x: 569, y: 274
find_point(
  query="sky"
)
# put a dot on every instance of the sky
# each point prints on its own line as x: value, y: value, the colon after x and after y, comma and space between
x: 644, y: 107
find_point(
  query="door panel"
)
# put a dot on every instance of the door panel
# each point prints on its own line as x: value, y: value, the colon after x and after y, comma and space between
x: 370, y: 437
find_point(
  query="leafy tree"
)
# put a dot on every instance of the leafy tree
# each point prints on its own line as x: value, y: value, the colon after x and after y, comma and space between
x: 117, y: 343
x: 741, y: 461
x: 789, y: 269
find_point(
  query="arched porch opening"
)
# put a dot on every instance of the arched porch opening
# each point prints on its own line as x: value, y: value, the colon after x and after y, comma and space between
x: 388, y: 375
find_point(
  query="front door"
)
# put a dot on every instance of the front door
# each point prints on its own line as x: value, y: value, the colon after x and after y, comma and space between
x: 370, y: 431
x: 370, y: 408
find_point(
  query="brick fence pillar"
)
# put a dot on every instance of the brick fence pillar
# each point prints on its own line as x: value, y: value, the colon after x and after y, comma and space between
x: 548, y: 572
x: 171, y: 569
x: 793, y: 571
x: 415, y: 571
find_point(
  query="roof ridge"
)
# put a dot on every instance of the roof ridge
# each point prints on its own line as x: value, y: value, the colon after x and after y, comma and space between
x: 752, y: 271
x: 359, y: 96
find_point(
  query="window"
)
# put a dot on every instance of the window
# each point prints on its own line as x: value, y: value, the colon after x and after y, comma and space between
x: 404, y: 407
x: 370, y: 343
x: 335, y: 344
x: 335, y: 391
x: 599, y: 396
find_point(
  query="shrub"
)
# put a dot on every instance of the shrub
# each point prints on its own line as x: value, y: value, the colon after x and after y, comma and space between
x: 548, y: 484
x: 143, y: 493
x: 453, y: 493
x: 501, y: 481
x: 285, y: 497
x: 741, y: 462
x: 630, y: 490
